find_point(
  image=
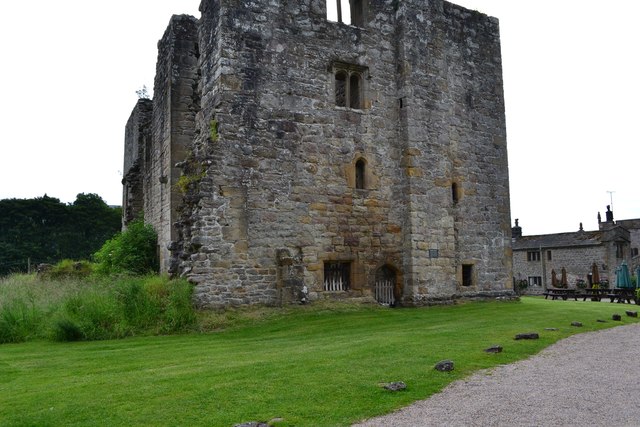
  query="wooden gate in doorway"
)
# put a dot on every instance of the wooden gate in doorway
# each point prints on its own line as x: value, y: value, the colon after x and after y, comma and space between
x: 384, y: 289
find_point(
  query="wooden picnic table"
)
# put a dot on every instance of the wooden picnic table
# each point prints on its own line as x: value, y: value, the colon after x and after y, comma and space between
x: 596, y: 294
x: 624, y: 295
x: 560, y: 293
x: 620, y: 295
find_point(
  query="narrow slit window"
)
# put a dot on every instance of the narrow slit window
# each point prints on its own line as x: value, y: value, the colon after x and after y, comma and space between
x: 360, y: 174
x: 454, y: 193
x: 619, y: 250
x: 467, y: 275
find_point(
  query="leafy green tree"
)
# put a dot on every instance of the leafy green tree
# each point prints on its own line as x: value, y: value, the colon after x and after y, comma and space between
x: 96, y: 223
x: 132, y: 251
x: 45, y: 230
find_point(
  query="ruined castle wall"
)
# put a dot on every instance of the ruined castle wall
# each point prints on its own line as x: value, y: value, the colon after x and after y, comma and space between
x: 455, y: 153
x: 280, y: 195
x: 175, y: 104
x: 281, y: 174
x: 137, y: 138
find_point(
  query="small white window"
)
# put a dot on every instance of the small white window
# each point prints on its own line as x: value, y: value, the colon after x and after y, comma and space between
x: 350, y: 12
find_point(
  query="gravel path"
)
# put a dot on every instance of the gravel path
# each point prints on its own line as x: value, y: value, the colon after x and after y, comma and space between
x: 567, y: 384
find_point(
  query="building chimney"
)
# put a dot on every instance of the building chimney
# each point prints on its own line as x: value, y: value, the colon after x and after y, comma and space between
x: 516, y: 232
x: 609, y: 214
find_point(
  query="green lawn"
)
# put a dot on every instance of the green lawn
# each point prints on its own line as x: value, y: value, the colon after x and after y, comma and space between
x: 309, y: 366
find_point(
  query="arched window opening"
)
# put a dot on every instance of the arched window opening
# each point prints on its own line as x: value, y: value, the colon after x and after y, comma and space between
x: 354, y: 91
x: 341, y: 89
x: 360, y: 174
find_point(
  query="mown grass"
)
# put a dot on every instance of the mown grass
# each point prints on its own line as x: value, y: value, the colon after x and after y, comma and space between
x: 304, y: 366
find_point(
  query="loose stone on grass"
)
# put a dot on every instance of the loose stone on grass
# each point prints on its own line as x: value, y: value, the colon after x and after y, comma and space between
x: 631, y: 313
x: 616, y: 317
x: 493, y: 349
x: 527, y: 336
x: 577, y: 324
x: 395, y: 386
x: 444, y: 366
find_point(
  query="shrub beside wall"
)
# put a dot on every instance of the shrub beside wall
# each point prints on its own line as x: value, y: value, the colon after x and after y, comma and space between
x: 134, y: 306
x: 69, y: 302
x: 133, y: 251
x: 94, y: 309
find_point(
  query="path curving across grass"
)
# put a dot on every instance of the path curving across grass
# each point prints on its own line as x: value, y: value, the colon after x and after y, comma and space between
x: 306, y: 366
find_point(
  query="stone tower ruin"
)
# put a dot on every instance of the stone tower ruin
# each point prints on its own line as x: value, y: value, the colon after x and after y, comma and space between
x: 286, y: 157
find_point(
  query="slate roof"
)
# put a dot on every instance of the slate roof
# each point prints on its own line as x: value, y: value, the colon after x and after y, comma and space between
x: 558, y: 240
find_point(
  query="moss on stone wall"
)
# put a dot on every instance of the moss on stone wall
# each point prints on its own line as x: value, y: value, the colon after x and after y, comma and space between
x: 213, y: 130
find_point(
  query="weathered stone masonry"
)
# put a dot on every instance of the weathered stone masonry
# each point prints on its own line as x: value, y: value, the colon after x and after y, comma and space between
x: 165, y: 129
x: 137, y: 141
x: 322, y: 159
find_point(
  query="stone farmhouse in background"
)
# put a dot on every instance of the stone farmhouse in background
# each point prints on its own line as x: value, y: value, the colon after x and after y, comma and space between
x: 286, y: 157
x: 536, y: 256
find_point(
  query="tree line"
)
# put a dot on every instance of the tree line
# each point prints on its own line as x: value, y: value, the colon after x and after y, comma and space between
x: 44, y: 230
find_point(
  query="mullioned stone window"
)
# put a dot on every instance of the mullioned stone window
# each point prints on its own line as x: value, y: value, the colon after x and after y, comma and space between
x: 535, y: 281
x: 349, y: 85
x: 533, y: 256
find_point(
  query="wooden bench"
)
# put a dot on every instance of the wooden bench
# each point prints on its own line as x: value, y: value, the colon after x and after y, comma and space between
x: 560, y: 293
x: 595, y: 294
x: 622, y: 295
x: 614, y: 295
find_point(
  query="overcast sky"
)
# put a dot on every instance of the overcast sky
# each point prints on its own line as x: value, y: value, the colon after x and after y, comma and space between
x: 70, y: 70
